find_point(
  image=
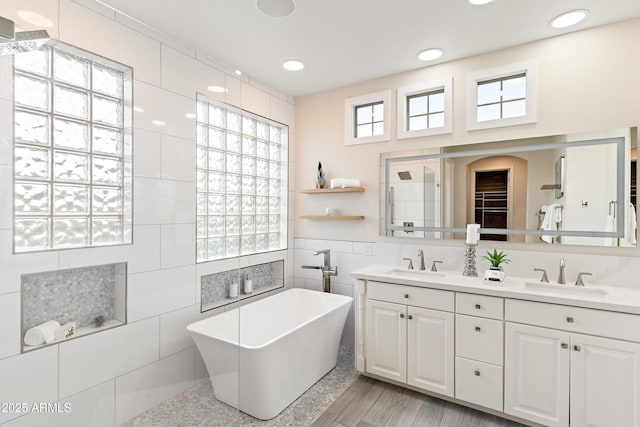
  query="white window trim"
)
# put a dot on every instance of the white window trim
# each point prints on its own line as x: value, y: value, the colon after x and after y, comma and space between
x: 406, y: 91
x: 530, y: 68
x: 350, y: 105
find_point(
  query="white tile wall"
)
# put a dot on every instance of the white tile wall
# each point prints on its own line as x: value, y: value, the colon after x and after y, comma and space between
x: 91, y: 360
x: 178, y: 158
x: 146, y: 387
x: 177, y: 244
x: 156, y: 292
x: 146, y: 152
x: 29, y: 378
x: 6, y: 195
x: 160, y: 201
x: 10, y: 320
x: 175, y: 65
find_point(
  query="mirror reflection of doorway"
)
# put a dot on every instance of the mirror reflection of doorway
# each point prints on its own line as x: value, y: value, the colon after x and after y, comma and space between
x: 491, y: 202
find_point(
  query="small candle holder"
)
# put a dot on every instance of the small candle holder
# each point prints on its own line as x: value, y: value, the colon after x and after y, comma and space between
x: 470, y: 261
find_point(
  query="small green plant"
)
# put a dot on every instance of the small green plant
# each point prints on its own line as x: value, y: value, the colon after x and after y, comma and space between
x: 496, y: 258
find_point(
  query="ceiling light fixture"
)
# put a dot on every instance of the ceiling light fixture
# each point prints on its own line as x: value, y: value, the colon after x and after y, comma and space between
x: 479, y: 2
x: 238, y: 72
x: 217, y: 89
x: 35, y: 19
x: 292, y: 65
x: 430, y: 54
x: 276, y: 8
x: 190, y: 115
x: 569, y: 18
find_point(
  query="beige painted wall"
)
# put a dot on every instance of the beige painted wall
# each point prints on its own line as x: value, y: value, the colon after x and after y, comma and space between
x: 587, y: 81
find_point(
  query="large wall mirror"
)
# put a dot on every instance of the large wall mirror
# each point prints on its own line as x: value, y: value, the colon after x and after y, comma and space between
x: 577, y: 189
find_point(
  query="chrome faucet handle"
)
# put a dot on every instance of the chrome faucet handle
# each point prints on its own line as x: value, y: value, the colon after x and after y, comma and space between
x: 433, y: 265
x: 410, y: 267
x: 545, y: 278
x: 421, y: 255
x: 579, y: 281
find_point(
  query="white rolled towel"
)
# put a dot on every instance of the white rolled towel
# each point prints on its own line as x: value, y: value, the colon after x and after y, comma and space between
x: 344, y: 183
x: 41, y: 334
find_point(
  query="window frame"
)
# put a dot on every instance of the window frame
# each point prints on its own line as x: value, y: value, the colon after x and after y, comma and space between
x: 282, y: 194
x: 474, y: 79
x: 351, y: 106
x: 125, y: 157
x: 405, y: 93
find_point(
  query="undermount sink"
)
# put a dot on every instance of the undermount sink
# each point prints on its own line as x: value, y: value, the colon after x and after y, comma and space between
x: 567, y: 289
x: 415, y: 274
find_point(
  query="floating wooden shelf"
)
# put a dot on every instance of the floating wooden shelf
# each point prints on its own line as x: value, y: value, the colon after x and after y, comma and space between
x: 549, y: 186
x: 333, y: 190
x: 333, y: 217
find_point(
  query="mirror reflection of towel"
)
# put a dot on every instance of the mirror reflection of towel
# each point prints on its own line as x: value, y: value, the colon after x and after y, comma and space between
x: 610, y: 227
x: 632, y: 225
x: 552, y: 217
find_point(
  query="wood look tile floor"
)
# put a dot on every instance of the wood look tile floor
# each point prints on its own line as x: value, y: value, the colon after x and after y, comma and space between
x: 368, y: 403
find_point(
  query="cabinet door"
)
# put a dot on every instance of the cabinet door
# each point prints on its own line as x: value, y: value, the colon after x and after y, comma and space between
x: 537, y: 374
x: 386, y: 340
x: 605, y: 382
x: 430, y: 351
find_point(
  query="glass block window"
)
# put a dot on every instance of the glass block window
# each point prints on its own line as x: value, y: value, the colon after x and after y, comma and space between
x: 369, y: 120
x: 72, y: 150
x: 502, y: 98
x: 425, y: 110
x: 242, y: 182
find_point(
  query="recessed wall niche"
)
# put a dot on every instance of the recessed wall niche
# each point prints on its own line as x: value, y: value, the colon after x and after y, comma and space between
x: 93, y: 297
x: 216, y: 289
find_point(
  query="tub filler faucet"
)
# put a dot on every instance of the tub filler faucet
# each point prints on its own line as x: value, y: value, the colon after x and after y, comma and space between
x: 327, y: 270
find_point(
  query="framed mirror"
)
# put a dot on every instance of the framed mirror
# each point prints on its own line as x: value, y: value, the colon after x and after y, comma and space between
x: 557, y: 190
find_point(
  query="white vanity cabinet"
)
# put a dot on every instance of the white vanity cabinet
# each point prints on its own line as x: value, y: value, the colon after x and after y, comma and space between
x: 558, y: 374
x: 409, y: 336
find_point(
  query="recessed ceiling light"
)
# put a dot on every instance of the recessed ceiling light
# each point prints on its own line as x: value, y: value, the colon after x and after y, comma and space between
x: 138, y: 109
x: 35, y: 19
x: 238, y: 72
x: 430, y: 54
x: 292, y: 65
x: 276, y: 8
x: 217, y: 89
x: 190, y: 115
x: 568, y: 19
x: 158, y: 122
x: 479, y: 2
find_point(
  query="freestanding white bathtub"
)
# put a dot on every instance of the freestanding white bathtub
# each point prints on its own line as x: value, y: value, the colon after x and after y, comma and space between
x: 264, y: 355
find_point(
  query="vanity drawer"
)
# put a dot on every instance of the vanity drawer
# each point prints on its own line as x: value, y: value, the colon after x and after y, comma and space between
x: 575, y: 319
x: 479, y: 383
x: 434, y: 299
x: 480, y: 305
x: 479, y: 339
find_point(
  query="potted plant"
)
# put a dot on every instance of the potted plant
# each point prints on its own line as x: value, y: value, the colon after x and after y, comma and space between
x: 495, y: 272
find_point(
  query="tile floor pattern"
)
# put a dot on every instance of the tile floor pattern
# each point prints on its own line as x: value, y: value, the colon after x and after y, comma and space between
x: 198, y: 407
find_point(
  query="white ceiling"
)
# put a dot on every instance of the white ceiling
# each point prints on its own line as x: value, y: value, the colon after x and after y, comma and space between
x: 346, y: 41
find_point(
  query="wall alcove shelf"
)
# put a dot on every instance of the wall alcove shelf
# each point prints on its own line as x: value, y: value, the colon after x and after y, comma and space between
x: 333, y: 191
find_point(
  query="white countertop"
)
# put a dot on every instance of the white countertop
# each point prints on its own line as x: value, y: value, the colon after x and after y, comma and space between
x: 625, y: 300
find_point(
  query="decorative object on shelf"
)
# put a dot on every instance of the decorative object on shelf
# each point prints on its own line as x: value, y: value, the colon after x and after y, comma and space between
x: 473, y: 235
x: 344, y: 183
x: 44, y: 333
x: 329, y: 210
x: 495, y: 272
x: 65, y: 331
x: 248, y: 286
x: 320, y: 179
x: 233, y: 290
x: 99, y: 321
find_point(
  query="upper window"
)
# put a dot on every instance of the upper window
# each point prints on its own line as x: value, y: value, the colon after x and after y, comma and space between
x: 502, y: 97
x: 367, y: 118
x: 242, y: 182
x: 72, y: 150
x: 425, y: 109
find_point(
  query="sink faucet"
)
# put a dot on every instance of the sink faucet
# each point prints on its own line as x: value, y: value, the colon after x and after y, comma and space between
x: 561, y: 279
x: 421, y: 255
x: 327, y: 270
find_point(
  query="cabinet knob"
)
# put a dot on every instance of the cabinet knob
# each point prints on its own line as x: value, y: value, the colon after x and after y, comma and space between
x: 402, y: 315
x: 477, y: 306
x: 406, y: 295
x: 569, y: 319
x: 409, y: 317
x: 476, y: 373
x: 477, y: 328
x: 564, y: 345
x: 576, y: 348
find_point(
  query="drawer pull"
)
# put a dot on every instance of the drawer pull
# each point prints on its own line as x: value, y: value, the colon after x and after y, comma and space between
x: 564, y: 345
x: 576, y: 347
x: 406, y: 295
x: 569, y: 319
x: 476, y: 373
x: 402, y: 315
x: 477, y: 306
x: 409, y: 317
x: 477, y: 328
